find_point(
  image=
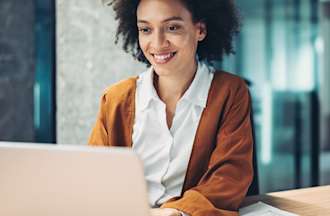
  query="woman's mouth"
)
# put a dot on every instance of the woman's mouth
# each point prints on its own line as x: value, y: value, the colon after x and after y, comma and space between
x: 163, y: 58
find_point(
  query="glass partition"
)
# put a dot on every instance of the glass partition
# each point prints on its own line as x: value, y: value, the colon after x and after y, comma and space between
x: 278, y: 51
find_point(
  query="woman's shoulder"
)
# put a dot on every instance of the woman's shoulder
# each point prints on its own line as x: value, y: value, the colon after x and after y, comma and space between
x: 228, y: 89
x: 228, y: 80
x: 121, y: 90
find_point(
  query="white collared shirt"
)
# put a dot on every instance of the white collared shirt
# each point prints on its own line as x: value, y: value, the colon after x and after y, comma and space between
x: 166, y: 152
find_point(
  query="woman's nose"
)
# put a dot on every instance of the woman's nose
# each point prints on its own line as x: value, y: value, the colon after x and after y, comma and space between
x: 159, y: 40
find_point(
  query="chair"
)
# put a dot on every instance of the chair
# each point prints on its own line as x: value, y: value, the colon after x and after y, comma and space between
x: 254, y: 187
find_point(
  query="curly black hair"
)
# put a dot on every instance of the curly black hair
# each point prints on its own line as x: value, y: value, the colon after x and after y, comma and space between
x: 220, y: 17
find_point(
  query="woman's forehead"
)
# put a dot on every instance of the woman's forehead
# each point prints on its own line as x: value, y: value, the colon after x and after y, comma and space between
x: 162, y: 10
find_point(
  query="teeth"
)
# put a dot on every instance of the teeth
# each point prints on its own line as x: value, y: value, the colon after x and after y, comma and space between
x: 163, y: 57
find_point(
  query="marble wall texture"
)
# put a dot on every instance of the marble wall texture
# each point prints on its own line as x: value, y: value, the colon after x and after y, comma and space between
x: 17, y: 64
x: 87, y: 62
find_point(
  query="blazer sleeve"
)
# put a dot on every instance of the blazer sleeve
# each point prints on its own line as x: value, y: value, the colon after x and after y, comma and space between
x: 99, y: 134
x: 229, y: 174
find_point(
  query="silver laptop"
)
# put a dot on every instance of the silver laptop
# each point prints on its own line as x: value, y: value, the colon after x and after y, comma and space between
x: 57, y: 180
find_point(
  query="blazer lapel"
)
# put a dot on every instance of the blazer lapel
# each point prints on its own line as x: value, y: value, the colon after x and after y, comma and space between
x: 205, y: 138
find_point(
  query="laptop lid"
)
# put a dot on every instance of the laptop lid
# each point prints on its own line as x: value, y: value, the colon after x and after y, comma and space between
x: 53, y: 180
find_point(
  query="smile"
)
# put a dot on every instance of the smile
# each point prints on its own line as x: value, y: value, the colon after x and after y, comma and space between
x: 163, y: 58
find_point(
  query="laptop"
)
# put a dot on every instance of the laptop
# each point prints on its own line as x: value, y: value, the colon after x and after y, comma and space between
x: 58, y: 180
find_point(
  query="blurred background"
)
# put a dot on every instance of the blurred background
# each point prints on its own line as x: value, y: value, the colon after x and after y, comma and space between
x: 57, y: 56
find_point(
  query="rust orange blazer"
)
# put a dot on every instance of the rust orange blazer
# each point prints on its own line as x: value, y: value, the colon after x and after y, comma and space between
x: 220, y: 166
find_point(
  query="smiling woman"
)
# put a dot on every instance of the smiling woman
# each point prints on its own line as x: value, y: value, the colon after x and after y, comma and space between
x: 169, y: 39
x: 189, y: 123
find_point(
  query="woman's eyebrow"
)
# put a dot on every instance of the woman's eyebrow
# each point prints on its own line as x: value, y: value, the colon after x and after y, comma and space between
x: 174, y: 18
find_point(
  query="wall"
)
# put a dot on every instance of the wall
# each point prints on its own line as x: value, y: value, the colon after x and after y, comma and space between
x: 17, y: 65
x: 87, y: 62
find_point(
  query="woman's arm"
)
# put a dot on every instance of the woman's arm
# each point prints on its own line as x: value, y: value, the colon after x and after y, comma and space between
x: 225, y: 183
x: 99, y: 135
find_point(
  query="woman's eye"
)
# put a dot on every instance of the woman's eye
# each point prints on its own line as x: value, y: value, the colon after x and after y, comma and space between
x: 173, y: 28
x: 145, y: 30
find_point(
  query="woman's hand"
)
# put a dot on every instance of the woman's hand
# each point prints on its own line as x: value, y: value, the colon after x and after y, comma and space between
x: 164, y: 212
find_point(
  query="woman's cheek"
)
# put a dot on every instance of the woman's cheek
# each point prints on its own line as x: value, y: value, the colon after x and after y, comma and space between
x: 181, y: 41
x: 143, y: 42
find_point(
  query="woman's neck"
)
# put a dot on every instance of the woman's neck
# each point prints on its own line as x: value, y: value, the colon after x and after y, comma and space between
x: 172, y: 88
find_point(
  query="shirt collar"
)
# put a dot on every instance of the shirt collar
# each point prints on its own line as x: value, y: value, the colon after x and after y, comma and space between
x: 148, y: 91
x: 196, y: 94
x: 198, y: 90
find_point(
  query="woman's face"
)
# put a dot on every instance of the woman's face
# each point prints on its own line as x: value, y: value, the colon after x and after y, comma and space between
x: 167, y: 35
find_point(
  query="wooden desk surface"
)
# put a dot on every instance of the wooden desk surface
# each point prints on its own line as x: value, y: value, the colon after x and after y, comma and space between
x: 314, y: 201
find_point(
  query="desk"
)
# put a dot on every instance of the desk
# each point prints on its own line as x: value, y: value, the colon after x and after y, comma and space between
x: 314, y: 201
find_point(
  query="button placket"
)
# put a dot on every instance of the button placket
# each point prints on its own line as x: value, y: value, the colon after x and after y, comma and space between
x: 161, y: 110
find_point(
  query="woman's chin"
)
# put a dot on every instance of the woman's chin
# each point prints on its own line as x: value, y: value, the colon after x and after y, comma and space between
x: 163, y: 71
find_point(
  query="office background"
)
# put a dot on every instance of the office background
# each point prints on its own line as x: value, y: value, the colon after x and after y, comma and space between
x: 56, y: 58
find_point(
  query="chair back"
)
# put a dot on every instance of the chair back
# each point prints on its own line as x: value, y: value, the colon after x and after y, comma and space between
x: 254, y: 187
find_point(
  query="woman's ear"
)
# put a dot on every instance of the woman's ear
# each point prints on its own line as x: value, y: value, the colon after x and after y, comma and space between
x: 202, y: 31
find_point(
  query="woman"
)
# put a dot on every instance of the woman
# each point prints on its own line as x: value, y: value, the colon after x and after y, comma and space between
x: 188, y: 123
